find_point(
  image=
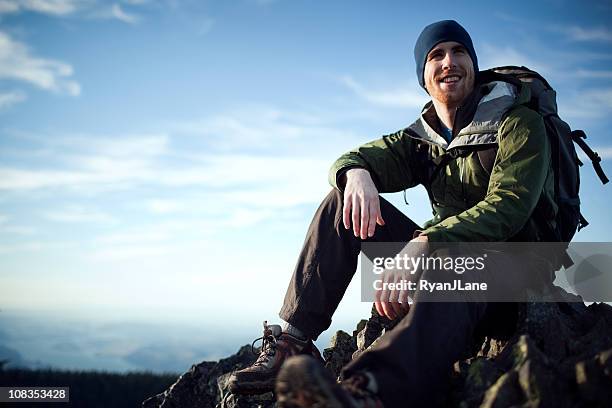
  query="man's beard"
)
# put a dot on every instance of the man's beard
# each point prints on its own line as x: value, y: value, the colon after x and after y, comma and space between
x: 455, y: 97
x: 447, y: 98
x: 452, y: 98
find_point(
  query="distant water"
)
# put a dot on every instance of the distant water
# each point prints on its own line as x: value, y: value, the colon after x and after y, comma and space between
x: 38, y: 340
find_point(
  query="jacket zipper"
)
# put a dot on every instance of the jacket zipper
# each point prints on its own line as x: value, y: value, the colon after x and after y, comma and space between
x: 462, y: 160
x: 461, y: 173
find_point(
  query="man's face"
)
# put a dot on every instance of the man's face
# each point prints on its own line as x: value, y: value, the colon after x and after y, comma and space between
x: 449, y: 73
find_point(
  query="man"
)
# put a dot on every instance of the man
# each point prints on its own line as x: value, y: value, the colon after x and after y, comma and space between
x: 487, y: 194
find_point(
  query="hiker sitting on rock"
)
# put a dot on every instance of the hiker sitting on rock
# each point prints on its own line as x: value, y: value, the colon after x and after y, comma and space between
x: 474, y: 200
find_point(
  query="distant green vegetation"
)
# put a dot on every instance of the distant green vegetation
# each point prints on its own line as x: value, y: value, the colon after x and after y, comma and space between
x: 90, y: 389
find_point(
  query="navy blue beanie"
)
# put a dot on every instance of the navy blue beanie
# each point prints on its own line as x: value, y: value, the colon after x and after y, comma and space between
x: 434, y: 34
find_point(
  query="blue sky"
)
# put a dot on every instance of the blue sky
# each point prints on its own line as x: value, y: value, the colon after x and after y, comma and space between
x: 163, y: 158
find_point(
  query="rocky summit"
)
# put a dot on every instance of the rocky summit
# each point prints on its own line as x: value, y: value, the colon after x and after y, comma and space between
x: 559, y: 355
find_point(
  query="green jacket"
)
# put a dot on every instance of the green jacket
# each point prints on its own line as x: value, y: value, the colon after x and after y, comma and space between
x: 469, y: 204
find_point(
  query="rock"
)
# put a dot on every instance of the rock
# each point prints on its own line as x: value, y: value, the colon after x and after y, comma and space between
x: 506, y: 392
x: 199, y: 387
x: 368, y: 331
x: 594, y: 378
x: 340, y: 351
x: 560, y: 355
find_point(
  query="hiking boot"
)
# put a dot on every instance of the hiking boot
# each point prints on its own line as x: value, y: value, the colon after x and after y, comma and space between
x: 304, y: 382
x: 276, y: 348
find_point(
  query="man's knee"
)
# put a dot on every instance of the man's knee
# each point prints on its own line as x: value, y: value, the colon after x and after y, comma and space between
x: 334, y: 197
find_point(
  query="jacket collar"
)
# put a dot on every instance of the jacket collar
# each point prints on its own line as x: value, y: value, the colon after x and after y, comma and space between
x: 478, y: 118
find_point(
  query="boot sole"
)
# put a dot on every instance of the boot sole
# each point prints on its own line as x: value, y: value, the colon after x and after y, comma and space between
x: 253, y: 387
x: 304, y: 382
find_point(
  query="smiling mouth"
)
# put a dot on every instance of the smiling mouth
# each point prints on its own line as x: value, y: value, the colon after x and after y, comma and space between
x: 450, y: 79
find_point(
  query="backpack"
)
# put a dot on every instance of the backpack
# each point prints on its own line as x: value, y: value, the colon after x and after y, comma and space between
x: 565, y: 162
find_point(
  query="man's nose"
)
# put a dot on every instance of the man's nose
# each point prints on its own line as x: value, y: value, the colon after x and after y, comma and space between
x: 448, y: 61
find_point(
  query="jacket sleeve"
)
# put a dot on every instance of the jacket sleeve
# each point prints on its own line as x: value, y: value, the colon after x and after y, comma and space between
x: 391, y: 161
x: 515, y: 185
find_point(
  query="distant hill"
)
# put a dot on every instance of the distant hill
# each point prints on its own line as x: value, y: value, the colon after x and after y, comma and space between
x: 91, y: 389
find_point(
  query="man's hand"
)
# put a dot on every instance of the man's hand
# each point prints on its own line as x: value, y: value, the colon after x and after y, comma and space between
x: 361, y: 204
x: 396, y: 303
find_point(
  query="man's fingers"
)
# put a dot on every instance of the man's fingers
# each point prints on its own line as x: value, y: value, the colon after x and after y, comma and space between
x: 355, y: 215
x: 394, y: 298
x: 397, y: 308
x: 388, y: 310
x: 373, y: 219
x: 404, y: 300
x: 384, y: 297
x: 365, y: 220
x: 346, y: 211
x: 379, y: 308
x: 379, y: 218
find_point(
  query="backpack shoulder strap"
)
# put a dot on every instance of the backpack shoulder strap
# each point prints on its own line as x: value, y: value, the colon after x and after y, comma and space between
x: 578, y: 137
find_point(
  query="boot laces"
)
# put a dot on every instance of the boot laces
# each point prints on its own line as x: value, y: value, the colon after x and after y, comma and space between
x: 268, y: 346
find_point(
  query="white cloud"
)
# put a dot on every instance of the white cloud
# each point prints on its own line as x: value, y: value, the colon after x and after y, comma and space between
x: 495, y: 56
x: 79, y: 8
x: 149, y: 235
x: 18, y: 230
x: 33, y: 246
x: 605, y: 152
x: 164, y: 206
x: 90, y: 163
x: 56, y: 246
x: 122, y: 146
x: 11, y: 98
x: 79, y: 214
x: 257, y: 129
x: 152, y: 240
x: 51, y: 7
x: 234, y: 170
x: 591, y: 74
x: 8, y: 6
x: 510, y: 18
x: 589, y: 104
x: 576, y: 33
x: 17, y: 63
x: 403, y: 97
x: 225, y: 186
x: 121, y: 15
x: 20, y: 179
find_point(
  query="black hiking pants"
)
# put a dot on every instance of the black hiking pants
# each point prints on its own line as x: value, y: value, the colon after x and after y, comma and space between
x: 412, y: 362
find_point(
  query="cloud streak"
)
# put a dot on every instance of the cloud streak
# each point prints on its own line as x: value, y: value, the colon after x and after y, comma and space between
x: 51, y: 7
x: 397, y: 98
x: 588, y: 104
x: 78, y: 8
x: 581, y: 34
x: 79, y: 214
x: 120, y: 14
x: 591, y: 74
x: 17, y: 63
x: 289, y: 170
x: 11, y: 98
x: 496, y: 56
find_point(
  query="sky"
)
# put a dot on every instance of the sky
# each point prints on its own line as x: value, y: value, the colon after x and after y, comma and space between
x: 160, y: 161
